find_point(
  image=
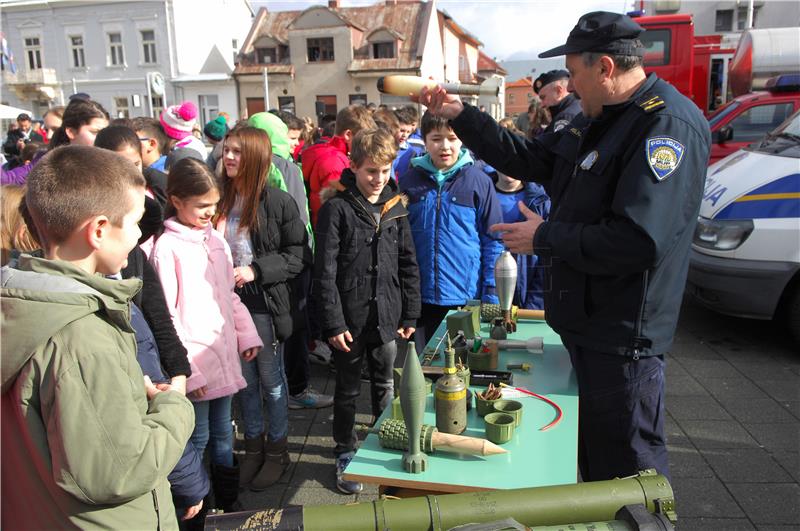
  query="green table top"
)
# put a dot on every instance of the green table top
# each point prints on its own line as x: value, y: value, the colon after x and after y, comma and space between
x: 536, y: 458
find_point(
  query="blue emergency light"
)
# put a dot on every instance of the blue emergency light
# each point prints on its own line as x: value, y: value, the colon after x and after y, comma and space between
x: 784, y: 83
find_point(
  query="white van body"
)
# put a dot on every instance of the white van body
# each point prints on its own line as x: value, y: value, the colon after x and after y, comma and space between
x: 745, y: 258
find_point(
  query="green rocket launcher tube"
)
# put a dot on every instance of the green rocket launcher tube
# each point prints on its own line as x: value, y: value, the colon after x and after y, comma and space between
x: 596, y: 501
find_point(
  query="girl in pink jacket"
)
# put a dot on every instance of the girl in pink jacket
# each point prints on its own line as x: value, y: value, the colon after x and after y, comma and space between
x: 196, y: 270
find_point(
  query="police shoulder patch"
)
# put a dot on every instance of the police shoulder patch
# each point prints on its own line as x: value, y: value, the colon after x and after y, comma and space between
x: 664, y: 155
x: 560, y: 124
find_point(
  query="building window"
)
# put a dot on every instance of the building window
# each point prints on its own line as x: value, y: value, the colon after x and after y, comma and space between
x: 383, y: 50
x: 328, y: 103
x: 724, y: 20
x: 741, y: 18
x: 157, y: 104
x: 33, y: 53
x: 266, y: 56
x: 286, y: 103
x: 511, y: 97
x: 76, y: 45
x: 121, y: 107
x: 657, y: 44
x: 358, y: 99
x: 209, y: 107
x: 320, y: 49
x: 235, y: 46
x: 116, y: 55
x: 148, y: 46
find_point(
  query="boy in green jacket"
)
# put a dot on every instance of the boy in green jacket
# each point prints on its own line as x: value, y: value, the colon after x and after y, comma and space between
x: 87, y: 442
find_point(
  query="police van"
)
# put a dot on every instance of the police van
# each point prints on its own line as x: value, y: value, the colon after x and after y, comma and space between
x: 745, y: 257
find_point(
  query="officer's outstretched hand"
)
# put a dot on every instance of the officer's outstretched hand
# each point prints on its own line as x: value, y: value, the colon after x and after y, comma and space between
x: 518, y: 237
x: 439, y: 102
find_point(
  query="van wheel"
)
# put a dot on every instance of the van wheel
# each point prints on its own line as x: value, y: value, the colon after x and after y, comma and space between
x: 793, y: 313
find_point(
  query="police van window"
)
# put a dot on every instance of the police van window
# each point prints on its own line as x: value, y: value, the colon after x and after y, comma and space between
x: 656, y: 46
x: 757, y: 121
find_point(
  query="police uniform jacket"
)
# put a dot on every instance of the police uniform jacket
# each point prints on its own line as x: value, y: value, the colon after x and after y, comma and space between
x: 562, y: 113
x: 626, y: 190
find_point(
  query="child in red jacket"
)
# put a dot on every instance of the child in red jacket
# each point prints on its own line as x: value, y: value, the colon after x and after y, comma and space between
x: 323, y: 163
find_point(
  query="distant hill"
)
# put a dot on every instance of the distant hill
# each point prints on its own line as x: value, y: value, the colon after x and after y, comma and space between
x: 519, y: 68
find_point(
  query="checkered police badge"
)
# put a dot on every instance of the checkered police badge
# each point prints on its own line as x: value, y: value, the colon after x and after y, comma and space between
x: 664, y: 155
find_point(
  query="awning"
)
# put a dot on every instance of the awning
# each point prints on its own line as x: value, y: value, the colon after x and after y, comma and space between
x: 7, y: 112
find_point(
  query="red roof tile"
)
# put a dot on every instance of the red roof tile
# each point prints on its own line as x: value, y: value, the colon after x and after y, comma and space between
x: 487, y: 63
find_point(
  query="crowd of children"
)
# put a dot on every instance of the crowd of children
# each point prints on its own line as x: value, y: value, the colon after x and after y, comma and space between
x: 176, y: 280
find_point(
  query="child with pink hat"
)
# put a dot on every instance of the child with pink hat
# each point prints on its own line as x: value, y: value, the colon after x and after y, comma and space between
x: 178, y: 121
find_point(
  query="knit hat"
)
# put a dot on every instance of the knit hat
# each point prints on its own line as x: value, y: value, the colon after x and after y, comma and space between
x: 216, y: 128
x: 178, y: 120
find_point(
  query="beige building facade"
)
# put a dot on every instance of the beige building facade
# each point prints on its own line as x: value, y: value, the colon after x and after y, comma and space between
x: 326, y: 57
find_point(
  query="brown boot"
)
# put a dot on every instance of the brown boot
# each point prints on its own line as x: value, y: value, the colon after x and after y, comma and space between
x: 252, y: 461
x: 276, y: 461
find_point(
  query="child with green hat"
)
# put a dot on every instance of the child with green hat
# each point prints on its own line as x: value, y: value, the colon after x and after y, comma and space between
x: 215, y: 130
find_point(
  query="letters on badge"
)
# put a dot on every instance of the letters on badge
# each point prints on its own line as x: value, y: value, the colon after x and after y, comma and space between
x: 664, y: 155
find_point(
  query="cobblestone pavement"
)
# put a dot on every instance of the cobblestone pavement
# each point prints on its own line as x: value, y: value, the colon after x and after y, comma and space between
x: 733, y: 428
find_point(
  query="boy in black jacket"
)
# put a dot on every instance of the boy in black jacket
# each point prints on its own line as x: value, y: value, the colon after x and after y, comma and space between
x: 366, y: 284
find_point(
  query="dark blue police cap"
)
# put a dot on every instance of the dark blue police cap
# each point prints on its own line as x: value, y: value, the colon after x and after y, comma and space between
x: 548, y: 77
x: 80, y: 96
x: 601, y: 31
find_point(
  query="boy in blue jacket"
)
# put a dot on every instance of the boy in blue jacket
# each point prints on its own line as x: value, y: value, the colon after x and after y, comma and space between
x: 451, y: 206
x: 406, y: 151
x: 530, y: 277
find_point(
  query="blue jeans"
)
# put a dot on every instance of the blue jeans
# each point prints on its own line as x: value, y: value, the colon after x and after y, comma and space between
x: 213, y: 425
x: 265, y: 377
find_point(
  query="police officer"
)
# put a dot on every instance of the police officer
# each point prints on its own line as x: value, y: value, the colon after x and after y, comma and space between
x: 552, y: 88
x: 625, y: 179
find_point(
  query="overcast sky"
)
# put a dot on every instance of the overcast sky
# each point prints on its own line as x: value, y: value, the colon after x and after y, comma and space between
x: 518, y: 28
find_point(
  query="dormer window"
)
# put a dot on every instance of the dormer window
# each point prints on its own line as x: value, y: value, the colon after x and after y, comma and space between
x: 266, y: 56
x: 383, y: 50
x: 384, y: 43
x: 320, y: 49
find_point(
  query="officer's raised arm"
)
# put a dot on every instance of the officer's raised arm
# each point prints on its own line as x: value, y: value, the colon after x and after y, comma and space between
x: 502, y: 149
x: 439, y: 102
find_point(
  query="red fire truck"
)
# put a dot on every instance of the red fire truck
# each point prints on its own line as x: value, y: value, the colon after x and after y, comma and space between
x: 720, y: 77
x: 695, y: 65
